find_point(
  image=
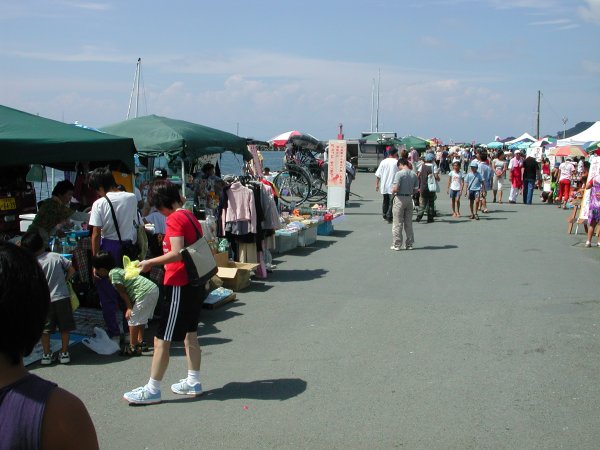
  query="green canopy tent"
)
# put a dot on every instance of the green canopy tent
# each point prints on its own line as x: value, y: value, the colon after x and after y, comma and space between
x: 161, y: 136
x: 29, y: 139
x: 416, y: 142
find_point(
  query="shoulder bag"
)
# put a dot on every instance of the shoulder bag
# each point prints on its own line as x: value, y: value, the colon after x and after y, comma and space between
x: 432, y: 183
x: 198, y: 259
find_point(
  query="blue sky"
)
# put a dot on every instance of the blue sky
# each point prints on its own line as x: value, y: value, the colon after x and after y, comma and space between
x: 458, y: 70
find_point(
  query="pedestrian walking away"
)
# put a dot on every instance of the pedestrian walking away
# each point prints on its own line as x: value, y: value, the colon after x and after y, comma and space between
x: 404, y: 186
x: 384, y: 177
x: 427, y: 203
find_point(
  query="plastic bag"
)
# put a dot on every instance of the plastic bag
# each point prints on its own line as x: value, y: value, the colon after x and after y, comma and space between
x: 131, y: 268
x: 101, y: 343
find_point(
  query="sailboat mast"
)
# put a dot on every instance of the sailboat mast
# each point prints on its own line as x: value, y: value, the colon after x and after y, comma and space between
x: 137, y: 88
x: 377, y: 114
x: 537, y: 134
x: 136, y: 84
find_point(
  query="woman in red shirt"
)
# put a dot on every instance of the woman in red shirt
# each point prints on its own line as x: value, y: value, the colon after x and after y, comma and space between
x: 180, y: 313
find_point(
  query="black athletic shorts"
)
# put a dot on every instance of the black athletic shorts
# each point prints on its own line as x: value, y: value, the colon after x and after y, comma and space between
x: 180, y: 312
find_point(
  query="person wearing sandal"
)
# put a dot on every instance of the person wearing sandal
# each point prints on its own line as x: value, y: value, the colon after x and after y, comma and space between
x: 594, y: 212
x: 475, y: 187
x: 137, y: 292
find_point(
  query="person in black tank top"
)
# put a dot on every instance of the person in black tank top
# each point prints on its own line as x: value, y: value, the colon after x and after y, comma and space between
x: 27, y: 401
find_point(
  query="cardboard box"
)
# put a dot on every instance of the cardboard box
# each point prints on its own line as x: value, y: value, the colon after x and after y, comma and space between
x: 307, y: 236
x: 236, y: 275
x: 222, y: 259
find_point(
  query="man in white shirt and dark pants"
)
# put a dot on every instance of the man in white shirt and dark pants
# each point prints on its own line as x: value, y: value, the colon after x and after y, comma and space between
x: 385, y: 177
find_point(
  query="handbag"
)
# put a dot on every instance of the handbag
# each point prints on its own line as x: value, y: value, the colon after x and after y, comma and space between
x: 131, y: 250
x: 432, y: 184
x: 198, y: 259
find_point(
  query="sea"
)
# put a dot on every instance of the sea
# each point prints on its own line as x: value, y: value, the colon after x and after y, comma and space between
x: 229, y: 164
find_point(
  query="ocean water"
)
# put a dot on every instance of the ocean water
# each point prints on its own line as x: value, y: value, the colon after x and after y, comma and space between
x: 230, y: 163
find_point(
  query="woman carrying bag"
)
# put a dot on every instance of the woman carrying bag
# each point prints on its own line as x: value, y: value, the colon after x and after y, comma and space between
x: 180, y: 312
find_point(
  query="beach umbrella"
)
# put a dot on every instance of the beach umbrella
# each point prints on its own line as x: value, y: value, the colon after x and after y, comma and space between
x: 296, y: 137
x: 567, y: 150
x: 594, y: 148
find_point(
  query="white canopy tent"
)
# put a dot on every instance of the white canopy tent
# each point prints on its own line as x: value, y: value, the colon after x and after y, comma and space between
x: 523, y: 137
x: 591, y: 134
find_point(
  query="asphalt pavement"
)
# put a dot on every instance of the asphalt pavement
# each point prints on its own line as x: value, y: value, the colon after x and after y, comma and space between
x: 486, y: 335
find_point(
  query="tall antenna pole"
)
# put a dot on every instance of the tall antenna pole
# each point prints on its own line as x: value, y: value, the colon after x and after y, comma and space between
x: 377, y: 115
x: 537, y: 134
x: 372, y: 102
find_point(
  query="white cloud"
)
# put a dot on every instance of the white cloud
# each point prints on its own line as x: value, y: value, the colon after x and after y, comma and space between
x: 551, y: 22
x: 591, y: 66
x: 86, y: 5
x: 591, y: 12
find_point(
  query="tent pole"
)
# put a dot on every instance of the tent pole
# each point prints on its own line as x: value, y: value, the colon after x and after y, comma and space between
x: 182, y: 177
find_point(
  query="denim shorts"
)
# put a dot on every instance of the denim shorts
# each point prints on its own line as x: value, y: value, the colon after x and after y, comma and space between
x: 454, y: 194
x: 474, y: 195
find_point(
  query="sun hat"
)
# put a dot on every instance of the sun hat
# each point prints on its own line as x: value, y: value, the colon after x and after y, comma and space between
x: 473, y: 164
x: 517, y: 152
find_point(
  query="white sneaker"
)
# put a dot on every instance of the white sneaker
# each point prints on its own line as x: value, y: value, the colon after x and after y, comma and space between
x: 47, y: 359
x: 183, y: 388
x: 64, y: 358
x: 409, y: 247
x: 395, y: 248
x: 588, y: 244
x: 142, y: 396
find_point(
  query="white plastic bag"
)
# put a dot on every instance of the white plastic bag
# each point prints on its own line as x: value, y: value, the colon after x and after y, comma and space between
x: 101, y: 343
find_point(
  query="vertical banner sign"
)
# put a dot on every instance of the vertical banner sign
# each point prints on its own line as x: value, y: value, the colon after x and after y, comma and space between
x: 256, y: 166
x: 336, y: 175
x: 585, y: 202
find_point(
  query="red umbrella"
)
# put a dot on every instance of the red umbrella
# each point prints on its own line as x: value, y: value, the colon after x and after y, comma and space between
x: 568, y: 150
x: 297, y: 137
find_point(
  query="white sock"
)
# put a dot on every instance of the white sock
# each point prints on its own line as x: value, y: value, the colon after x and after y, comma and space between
x: 153, y: 386
x: 193, y: 377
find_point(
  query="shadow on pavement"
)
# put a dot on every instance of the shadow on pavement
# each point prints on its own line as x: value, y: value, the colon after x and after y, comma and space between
x: 297, y: 275
x: 436, y: 247
x: 278, y: 389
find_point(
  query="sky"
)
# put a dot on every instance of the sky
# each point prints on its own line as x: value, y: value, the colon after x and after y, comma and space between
x: 458, y: 70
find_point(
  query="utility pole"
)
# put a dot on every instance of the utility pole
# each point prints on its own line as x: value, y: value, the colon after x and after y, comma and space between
x: 564, y: 121
x: 537, y: 135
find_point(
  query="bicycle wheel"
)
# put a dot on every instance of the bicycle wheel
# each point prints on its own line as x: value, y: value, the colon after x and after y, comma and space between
x: 293, y: 186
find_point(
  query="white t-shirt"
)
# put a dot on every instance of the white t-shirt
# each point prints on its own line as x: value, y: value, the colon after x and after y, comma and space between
x: 125, y: 206
x: 565, y: 169
x: 455, y: 180
x: 385, y: 172
x: 138, y: 194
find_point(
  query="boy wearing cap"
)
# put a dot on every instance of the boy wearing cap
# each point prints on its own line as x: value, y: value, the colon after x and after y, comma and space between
x: 475, y: 187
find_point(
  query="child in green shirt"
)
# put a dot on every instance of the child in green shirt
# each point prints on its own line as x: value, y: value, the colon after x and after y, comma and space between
x: 139, y: 294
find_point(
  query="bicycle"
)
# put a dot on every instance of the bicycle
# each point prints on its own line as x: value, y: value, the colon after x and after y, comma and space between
x: 302, y: 180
